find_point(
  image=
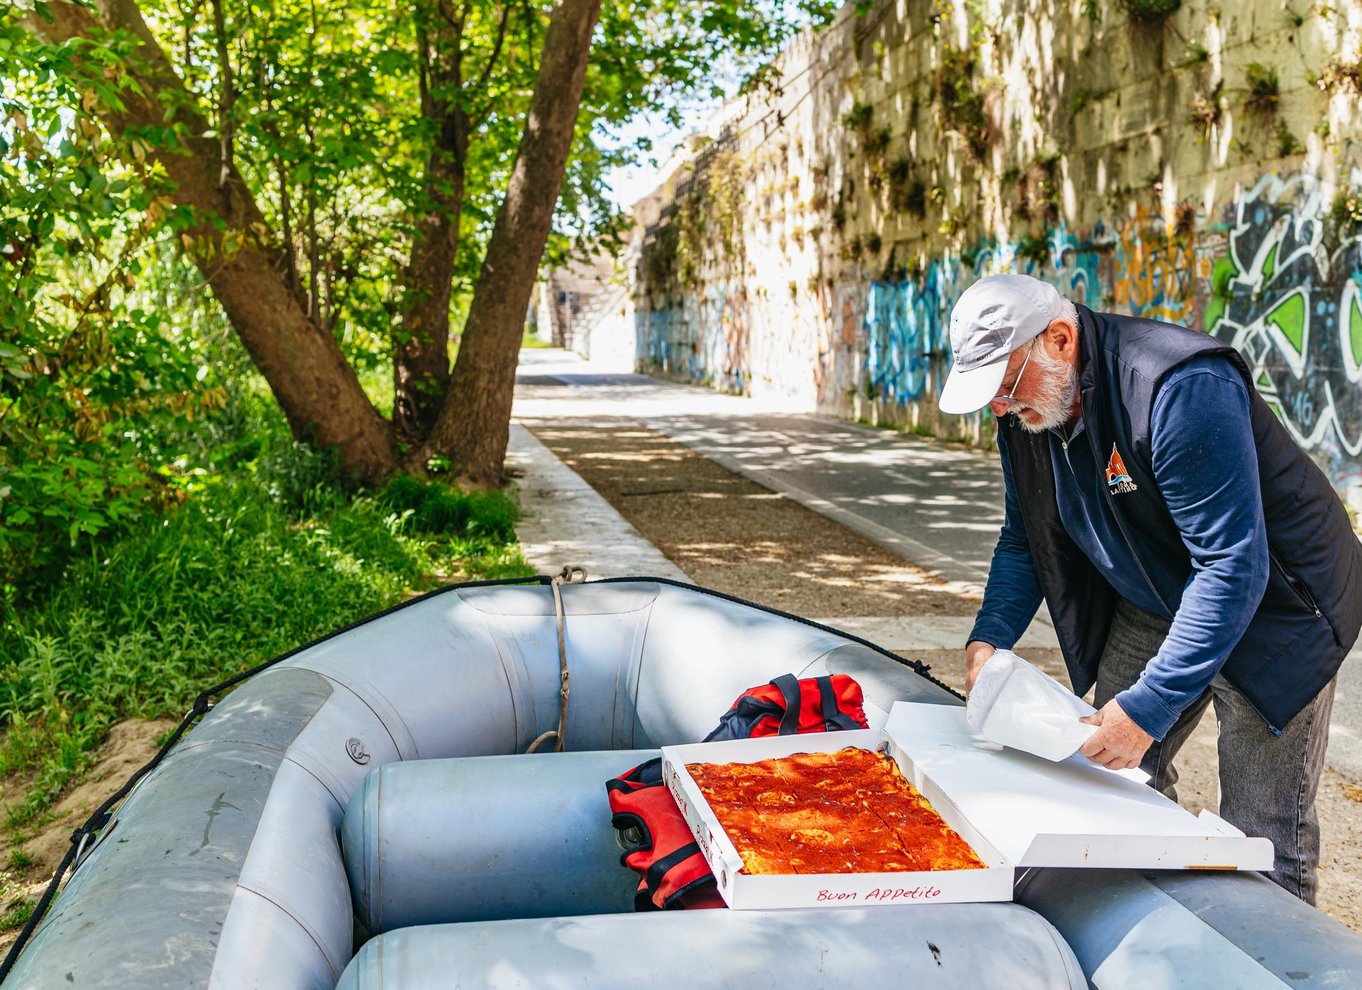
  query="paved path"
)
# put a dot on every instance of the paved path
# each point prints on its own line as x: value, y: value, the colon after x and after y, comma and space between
x: 563, y: 521
x: 937, y: 505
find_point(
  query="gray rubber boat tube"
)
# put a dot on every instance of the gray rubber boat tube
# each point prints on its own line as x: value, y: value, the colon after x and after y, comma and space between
x: 937, y: 947
x: 1135, y: 929
x: 523, y: 837
x: 486, y: 838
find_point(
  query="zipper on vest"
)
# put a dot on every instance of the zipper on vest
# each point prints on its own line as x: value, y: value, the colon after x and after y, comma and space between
x: 1256, y: 710
x: 1295, y: 584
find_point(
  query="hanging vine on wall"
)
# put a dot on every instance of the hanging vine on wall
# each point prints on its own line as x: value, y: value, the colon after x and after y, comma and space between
x: 689, y: 221
x: 728, y: 177
x: 1262, y: 89
x: 659, y: 260
x: 960, y: 105
x: 704, y: 226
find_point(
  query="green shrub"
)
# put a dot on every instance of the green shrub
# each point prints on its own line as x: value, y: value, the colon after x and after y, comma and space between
x: 220, y: 584
x: 436, y: 508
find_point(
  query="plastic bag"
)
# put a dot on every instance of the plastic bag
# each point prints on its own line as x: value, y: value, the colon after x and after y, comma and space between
x: 1021, y: 706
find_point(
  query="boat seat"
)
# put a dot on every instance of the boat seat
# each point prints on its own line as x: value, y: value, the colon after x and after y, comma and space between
x: 486, y: 837
x: 926, y: 947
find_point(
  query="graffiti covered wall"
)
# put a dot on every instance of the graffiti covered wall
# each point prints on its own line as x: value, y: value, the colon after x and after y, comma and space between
x: 1196, y: 168
x: 1286, y: 294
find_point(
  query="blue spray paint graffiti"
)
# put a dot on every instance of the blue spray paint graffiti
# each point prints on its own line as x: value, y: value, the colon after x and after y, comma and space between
x: 725, y: 308
x: 903, y: 327
x: 683, y: 342
x: 906, y: 325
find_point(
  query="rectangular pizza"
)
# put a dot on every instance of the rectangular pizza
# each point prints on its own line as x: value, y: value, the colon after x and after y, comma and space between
x: 850, y: 811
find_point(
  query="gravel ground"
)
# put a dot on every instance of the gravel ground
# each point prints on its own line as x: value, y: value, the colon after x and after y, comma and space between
x: 733, y: 535
x: 730, y: 534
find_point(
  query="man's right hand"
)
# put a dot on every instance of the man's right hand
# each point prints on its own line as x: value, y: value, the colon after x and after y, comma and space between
x: 976, y: 655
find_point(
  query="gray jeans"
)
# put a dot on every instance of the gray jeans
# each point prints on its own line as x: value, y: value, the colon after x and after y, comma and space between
x: 1267, y: 783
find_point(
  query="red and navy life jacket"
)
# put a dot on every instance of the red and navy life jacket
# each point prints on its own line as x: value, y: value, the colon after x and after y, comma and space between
x: 788, y: 705
x: 657, y: 842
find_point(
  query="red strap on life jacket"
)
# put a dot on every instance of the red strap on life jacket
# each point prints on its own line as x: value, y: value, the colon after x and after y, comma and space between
x: 657, y: 841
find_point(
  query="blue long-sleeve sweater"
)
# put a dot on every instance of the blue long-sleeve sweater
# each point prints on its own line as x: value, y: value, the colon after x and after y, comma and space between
x: 1205, y: 466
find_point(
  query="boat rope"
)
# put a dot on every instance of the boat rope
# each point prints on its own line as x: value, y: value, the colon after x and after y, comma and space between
x: 570, y: 574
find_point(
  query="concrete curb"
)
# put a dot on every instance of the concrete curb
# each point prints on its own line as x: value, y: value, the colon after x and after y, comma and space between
x: 564, y: 521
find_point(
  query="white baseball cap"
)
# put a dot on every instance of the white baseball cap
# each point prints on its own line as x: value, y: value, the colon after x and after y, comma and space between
x: 991, y: 319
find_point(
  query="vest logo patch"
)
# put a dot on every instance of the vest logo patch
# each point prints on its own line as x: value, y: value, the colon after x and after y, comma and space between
x: 1118, y: 478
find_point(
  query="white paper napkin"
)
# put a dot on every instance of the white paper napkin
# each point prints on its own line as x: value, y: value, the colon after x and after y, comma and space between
x: 1016, y: 704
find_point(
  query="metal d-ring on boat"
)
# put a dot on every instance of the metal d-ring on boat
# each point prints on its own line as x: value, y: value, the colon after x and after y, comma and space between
x: 235, y: 864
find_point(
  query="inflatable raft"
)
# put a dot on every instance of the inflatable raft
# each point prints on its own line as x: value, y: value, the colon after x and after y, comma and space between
x: 362, y: 814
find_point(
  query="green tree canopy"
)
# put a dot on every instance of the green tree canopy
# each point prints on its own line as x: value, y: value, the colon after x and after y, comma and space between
x: 338, y: 184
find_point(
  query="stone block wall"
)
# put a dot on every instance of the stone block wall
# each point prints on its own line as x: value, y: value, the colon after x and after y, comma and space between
x: 1196, y: 163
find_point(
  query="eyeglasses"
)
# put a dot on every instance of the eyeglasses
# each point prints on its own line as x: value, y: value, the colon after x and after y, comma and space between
x: 1011, y: 395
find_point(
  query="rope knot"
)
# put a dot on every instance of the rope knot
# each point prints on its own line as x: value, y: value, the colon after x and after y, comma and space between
x: 571, y: 574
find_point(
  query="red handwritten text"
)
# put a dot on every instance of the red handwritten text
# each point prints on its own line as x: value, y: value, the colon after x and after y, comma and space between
x: 919, y: 893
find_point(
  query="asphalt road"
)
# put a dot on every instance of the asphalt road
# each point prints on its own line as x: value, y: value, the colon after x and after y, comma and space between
x: 937, y: 505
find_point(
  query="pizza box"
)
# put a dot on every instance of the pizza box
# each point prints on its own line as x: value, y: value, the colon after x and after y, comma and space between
x: 1014, y: 809
x: 741, y: 891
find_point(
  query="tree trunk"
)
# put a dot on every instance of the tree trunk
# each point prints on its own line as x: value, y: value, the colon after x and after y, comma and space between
x: 421, y: 354
x: 315, y: 387
x: 474, y: 423
x: 421, y: 351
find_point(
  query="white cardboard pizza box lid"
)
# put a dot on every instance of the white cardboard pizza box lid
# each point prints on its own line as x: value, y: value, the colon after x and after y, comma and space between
x: 1072, y: 813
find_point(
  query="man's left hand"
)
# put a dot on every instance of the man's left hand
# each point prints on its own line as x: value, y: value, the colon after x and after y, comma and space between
x: 1118, y: 743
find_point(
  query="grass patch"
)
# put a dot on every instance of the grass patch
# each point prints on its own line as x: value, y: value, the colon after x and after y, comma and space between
x: 432, y: 508
x: 240, y: 573
x: 18, y: 914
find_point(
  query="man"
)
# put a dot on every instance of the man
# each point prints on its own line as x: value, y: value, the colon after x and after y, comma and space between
x: 1188, y: 550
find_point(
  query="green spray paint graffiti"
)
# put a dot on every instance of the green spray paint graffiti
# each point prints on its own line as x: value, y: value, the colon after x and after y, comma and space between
x: 1287, y: 296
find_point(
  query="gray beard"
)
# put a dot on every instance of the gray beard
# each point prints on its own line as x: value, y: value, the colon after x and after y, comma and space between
x: 1054, y: 400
